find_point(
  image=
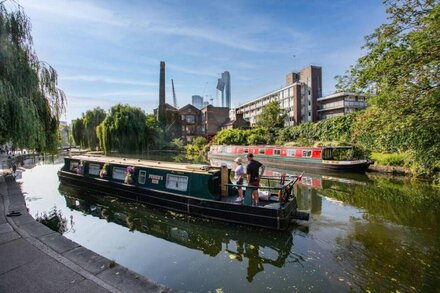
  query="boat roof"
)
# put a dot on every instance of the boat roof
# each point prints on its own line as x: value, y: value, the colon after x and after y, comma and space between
x: 287, y: 146
x: 193, y: 168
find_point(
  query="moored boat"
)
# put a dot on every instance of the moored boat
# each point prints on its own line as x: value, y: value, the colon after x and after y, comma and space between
x: 199, y: 190
x: 338, y: 158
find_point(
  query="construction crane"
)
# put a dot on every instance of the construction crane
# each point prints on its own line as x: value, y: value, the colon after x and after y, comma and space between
x: 174, y: 94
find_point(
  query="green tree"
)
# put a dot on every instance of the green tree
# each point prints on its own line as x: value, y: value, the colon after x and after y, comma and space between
x: 84, y: 128
x: 401, y: 70
x: 272, y: 116
x: 30, y: 102
x: 126, y: 129
x: 91, y: 120
x: 197, y: 146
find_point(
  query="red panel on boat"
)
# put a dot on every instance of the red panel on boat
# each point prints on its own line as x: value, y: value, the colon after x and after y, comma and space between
x: 298, y: 153
x: 269, y: 152
x: 283, y: 153
x: 316, y: 182
x: 316, y: 154
x: 239, y: 150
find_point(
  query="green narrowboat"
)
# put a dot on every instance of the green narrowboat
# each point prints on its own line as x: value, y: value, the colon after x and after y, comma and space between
x: 199, y: 190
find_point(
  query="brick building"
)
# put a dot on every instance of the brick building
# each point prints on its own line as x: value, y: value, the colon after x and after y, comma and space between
x: 213, y: 119
x: 298, y: 98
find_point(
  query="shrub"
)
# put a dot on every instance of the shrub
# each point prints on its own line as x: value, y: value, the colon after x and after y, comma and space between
x: 394, y: 159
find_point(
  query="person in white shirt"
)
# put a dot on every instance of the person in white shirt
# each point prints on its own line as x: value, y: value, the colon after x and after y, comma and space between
x: 238, y: 177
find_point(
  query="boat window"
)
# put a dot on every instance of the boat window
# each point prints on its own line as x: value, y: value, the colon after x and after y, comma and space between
x: 94, y: 169
x: 73, y: 165
x: 245, y: 151
x: 118, y: 173
x: 307, y: 154
x: 262, y: 151
x: 276, y: 152
x: 291, y: 153
x: 142, y: 177
x: 177, y: 182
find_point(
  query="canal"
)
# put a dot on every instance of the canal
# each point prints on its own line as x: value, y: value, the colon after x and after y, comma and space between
x: 366, y: 233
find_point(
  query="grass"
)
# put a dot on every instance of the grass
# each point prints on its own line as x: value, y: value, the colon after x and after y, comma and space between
x: 394, y: 159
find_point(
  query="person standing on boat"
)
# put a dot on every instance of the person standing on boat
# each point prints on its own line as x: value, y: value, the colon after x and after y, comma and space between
x: 253, y: 176
x: 238, y: 177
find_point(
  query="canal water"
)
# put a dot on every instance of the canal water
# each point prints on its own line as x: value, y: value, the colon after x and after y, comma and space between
x: 370, y: 233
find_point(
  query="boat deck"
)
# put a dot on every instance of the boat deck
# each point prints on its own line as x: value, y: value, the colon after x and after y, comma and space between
x: 261, y: 203
x: 148, y: 163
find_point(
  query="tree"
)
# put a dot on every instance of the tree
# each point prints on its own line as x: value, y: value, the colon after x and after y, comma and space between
x: 91, y: 120
x: 78, y: 133
x: 272, y: 116
x: 197, y: 146
x: 401, y: 70
x: 30, y: 102
x: 126, y: 129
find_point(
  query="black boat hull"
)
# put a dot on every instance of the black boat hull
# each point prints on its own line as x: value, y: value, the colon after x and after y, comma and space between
x: 277, y: 219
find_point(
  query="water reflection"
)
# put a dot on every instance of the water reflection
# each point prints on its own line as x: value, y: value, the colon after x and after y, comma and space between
x: 367, y: 233
x: 210, y: 238
x: 55, y: 220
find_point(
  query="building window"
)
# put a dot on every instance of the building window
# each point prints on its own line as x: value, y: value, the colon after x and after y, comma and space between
x: 310, y: 113
x: 190, y: 119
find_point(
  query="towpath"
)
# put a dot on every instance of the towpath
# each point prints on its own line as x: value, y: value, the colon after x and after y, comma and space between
x: 34, y: 258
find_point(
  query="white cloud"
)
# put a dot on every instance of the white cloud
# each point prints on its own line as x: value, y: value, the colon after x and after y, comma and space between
x: 105, y: 79
x: 76, y: 10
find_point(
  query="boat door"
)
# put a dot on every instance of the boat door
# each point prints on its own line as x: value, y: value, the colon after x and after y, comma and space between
x: 327, y: 154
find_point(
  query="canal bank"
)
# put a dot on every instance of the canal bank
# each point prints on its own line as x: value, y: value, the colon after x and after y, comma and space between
x: 37, y: 259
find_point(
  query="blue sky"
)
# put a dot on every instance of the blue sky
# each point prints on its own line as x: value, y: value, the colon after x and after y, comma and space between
x: 108, y: 52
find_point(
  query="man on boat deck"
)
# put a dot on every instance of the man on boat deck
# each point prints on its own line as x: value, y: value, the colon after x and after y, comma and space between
x: 253, y: 176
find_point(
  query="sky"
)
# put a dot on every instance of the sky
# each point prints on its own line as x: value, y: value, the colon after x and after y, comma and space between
x: 109, y: 52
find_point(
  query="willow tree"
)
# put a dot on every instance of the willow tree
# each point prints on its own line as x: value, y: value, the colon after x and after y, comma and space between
x: 126, y: 129
x: 84, y: 128
x: 401, y: 70
x: 30, y: 101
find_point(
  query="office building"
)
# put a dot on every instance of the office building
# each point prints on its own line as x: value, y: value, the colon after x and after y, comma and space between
x: 298, y: 98
x: 339, y: 104
x: 197, y: 101
x: 224, y: 86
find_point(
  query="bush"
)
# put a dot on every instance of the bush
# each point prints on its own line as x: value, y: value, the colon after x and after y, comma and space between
x: 394, y: 159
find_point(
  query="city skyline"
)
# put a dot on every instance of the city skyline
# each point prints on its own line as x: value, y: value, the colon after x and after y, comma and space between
x: 109, y: 53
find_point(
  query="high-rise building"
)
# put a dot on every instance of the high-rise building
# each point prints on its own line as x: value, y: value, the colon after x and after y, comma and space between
x: 224, y: 86
x: 197, y: 101
x: 226, y: 98
x: 298, y: 98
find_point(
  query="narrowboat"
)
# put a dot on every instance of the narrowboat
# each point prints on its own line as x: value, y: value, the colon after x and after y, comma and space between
x: 338, y: 158
x: 199, y: 190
